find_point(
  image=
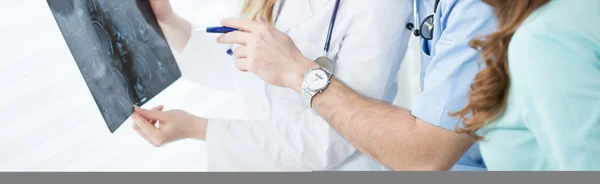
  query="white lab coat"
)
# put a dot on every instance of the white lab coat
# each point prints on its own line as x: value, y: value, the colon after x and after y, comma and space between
x: 280, y: 132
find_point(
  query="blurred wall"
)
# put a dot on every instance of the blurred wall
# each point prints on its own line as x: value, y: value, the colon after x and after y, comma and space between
x: 50, y: 121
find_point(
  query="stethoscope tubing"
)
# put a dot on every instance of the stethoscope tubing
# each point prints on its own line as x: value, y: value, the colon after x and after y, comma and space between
x: 331, y: 25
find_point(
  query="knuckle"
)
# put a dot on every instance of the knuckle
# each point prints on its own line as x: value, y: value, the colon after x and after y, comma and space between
x: 155, y: 144
x: 238, y: 65
x: 253, y: 67
x: 178, y: 112
x: 159, y: 141
x: 251, y: 57
x: 171, y: 112
x: 237, y: 50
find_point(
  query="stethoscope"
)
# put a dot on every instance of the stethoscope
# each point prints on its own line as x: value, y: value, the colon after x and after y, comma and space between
x: 425, y: 30
x: 324, y: 60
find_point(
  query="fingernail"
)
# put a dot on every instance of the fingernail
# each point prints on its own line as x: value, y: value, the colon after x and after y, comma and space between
x: 230, y: 52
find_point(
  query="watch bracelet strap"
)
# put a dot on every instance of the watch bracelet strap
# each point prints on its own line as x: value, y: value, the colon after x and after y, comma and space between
x: 307, y: 95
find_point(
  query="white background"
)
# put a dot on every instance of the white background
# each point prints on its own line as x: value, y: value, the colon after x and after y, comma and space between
x: 48, y: 118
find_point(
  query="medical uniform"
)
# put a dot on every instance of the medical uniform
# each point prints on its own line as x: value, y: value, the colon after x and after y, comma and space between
x: 449, y: 65
x: 281, y: 133
x: 552, y: 119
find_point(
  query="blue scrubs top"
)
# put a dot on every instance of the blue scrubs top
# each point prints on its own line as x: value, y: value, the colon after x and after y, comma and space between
x: 449, y: 65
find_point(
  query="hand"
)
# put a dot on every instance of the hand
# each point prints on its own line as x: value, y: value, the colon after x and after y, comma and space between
x: 267, y: 52
x: 176, y: 29
x: 173, y: 125
x: 162, y: 9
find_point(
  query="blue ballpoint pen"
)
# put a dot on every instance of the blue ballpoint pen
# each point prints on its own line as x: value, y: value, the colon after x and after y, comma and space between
x: 221, y: 30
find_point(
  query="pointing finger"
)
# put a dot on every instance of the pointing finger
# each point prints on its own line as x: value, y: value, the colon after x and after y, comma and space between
x: 242, y: 23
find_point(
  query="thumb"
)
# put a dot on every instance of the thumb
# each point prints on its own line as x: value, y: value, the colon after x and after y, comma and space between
x: 151, y: 114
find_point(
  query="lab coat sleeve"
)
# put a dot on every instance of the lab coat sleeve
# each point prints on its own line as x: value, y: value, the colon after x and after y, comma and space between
x: 366, y: 61
x: 562, y: 91
x: 205, y: 63
x: 449, y: 74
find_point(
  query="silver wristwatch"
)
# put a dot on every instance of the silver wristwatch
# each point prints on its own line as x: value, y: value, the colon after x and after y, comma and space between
x: 316, y: 80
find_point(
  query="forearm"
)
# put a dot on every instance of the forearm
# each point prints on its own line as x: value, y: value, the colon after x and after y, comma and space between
x: 389, y: 134
x: 177, y: 31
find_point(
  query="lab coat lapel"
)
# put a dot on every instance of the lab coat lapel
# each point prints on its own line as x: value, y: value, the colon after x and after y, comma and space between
x: 293, y: 13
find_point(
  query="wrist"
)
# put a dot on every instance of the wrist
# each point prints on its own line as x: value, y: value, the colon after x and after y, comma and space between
x: 297, y: 75
x: 198, y: 129
x: 169, y: 19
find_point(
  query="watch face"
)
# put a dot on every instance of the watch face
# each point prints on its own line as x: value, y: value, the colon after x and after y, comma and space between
x: 316, y: 80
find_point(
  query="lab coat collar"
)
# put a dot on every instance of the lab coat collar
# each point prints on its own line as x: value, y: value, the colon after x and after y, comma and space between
x: 319, y: 2
x: 294, y: 12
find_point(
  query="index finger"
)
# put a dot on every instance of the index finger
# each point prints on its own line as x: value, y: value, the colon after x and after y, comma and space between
x: 242, y: 24
x: 157, y: 108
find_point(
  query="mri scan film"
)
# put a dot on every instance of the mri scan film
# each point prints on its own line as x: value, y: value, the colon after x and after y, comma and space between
x: 120, y: 50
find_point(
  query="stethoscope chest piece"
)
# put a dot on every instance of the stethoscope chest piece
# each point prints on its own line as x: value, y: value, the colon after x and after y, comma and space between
x: 326, y: 63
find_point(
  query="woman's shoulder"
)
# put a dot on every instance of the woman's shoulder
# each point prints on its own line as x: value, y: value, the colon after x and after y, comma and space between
x: 552, y: 40
x: 563, y: 22
x: 563, y: 16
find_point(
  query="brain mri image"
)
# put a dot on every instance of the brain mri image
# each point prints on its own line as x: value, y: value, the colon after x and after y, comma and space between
x: 120, y: 50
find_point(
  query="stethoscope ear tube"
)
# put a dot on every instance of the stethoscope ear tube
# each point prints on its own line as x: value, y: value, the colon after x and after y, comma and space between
x: 331, y: 25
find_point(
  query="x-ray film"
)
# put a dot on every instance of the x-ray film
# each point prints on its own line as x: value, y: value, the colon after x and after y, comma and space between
x: 120, y: 50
